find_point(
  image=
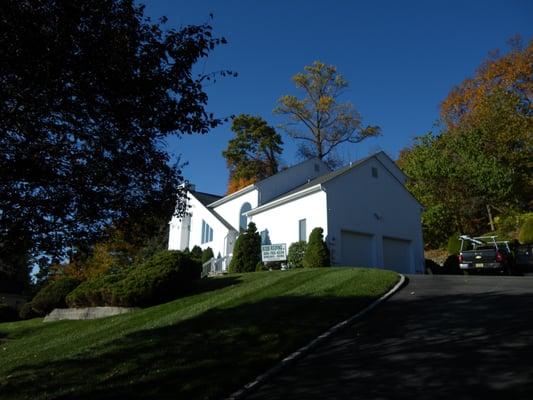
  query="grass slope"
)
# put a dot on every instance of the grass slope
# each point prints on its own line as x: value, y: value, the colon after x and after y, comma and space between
x: 202, y: 346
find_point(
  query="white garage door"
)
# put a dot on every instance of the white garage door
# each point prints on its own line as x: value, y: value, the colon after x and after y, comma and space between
x: 357, y: 249
x: 397, y: 255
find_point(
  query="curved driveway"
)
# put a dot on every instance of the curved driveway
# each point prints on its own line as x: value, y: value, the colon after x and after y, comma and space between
x: 440, y: 337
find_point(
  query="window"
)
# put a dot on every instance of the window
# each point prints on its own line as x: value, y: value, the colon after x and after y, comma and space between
x: 207, y: 233
x: 242, y: 218
x: 265, y: 238
x: 303, y: 230
x: 374, y: 172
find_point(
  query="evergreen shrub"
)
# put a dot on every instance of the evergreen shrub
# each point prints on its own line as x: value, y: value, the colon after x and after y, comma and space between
x: 196, y: 252
x: 27, y: 311
x: 164, y: 277
x: 207, y: 255
x: 247, y: 251
x: 296, y: 254
x: 53, y: 295
x: 317, y: 252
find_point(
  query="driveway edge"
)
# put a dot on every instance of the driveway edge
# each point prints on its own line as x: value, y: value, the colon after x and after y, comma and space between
x: 246, y: 389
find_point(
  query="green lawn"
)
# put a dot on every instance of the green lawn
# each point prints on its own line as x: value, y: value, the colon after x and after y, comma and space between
x: 202, y: 346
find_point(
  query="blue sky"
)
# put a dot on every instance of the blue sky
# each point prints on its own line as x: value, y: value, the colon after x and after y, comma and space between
x: 401, y: 58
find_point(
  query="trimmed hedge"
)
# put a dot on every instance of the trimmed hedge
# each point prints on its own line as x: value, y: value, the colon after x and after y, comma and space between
x: 317, y: 252
x: 164, y: 277
x: 95, y: 292
x: 27, y: 311
x: 53, y: 295
x: 7, y: 313
x: 296, y: 254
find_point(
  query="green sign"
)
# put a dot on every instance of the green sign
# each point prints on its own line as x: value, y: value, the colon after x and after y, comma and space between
x: 274, y: 252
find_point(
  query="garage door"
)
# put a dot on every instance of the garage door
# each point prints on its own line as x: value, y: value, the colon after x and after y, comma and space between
x: 357, y: 249
x: 397, y: 255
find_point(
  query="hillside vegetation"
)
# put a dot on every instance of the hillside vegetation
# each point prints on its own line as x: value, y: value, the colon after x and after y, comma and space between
x: 202, y: 346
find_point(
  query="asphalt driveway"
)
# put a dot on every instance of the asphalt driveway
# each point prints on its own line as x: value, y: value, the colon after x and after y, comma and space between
x: 440, y: 337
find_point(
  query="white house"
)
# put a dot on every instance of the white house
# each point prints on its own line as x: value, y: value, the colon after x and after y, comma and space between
x: 369, y: 218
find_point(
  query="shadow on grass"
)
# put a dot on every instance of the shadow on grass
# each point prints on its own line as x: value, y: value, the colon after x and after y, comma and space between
x: 204, y: 285
x: 205, y: 357
x: 214, y: 283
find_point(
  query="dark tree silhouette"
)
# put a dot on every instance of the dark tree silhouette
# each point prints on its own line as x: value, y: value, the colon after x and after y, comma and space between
x: 90, y: 89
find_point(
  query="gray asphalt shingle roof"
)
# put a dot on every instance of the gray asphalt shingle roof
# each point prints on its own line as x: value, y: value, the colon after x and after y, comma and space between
x: 322, y: 178
x: 207, y: 198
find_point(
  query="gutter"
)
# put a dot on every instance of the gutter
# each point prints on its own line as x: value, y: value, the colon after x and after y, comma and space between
x: 287, y: 199
x: 232, y: 196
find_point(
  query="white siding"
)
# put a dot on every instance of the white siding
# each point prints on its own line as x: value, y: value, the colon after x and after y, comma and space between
x: 380, y: 206
x: 282, y: 222
x: 198, y: 212
x: 290, y: 178
x: 230, y: 210
x: 392, y: 167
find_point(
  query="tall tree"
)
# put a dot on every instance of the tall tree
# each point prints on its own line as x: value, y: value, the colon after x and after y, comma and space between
x: 482, y: 158
x: 511, y: 73
x: 319, y: 120
x: 253, y: 154
x: 90, y: 89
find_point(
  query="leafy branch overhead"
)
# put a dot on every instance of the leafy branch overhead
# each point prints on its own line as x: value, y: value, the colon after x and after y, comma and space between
x: 319, y: 120
x: 90, y: 89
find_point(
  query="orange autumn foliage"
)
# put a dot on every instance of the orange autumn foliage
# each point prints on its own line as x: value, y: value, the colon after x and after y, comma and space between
x: 236, y: 184
x: 512, y: 72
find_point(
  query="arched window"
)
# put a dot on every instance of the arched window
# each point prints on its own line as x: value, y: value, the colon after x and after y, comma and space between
x: 243, y: 220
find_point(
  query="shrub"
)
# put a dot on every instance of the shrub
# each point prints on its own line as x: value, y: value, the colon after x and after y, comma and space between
x: 317, y: 252
x: 207, y: 255
x: 196, y: 252
x: 526, y: 232
x: 7, y: 313
x: 451, y: 265
x: 296, y: 254
x: 247, y: 251
x: 432, y: 267
x: 454, y: 244
x: 261, y: 266
x: 273, y: 265
x: 509, y: 224
x: 165, y: 276
x: 27, y: 311
x: 95, y: 292
x: 53, y: 295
